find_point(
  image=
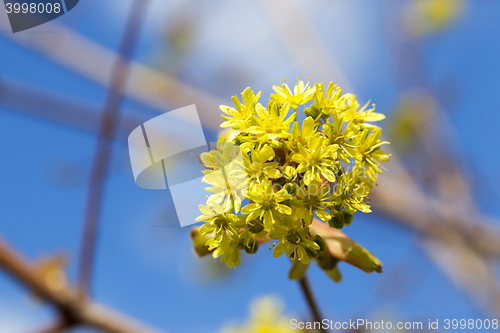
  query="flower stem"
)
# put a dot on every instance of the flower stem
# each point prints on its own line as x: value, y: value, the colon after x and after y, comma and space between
x: 311, y: 301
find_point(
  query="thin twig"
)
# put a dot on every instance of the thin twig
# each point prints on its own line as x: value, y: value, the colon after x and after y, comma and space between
x: 311, y: 301
x: 74, y: 310
x: 109, y: 123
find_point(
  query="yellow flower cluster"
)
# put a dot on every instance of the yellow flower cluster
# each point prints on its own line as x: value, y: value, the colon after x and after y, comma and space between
x: 275, y: 174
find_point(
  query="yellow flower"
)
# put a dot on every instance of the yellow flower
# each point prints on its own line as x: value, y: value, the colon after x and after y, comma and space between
x: 237, y: 118
x: 301, y: 94
x: 297, y: 135
x: 292, y: 240
x: 370, y: 152
x: 259, y: 164
x: 331, y: 103
x: 360, y: 117
x: 316, y: 160
x: 312, y: 200
x: 342, y: 135
x: 267, y: 204
x: 272, y: 120
x: 226, y: 173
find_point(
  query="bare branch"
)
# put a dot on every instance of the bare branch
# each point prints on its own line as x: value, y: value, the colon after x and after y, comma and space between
x: 467, y: 270
x: 311, y: 301
x: 66, y: 110
x: 93, y: 61
x: 109, y: 123
x: 55, y: 327
x: 74, y: 309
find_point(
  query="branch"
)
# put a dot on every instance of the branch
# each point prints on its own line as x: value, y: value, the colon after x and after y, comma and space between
x: 74, y: 309
x: 311, y: 301
x: 71, y: 111
x: 55, y: 327
x: 467, y: 270
x: 109, y: 123
x: 93, y: 61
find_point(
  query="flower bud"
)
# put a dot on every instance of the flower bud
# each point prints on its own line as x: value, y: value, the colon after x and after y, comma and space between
x: 341, y: 247
x: 199, y: 242
x: 290, y: 173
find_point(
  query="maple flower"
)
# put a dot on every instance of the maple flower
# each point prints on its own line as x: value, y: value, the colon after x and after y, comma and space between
x: 316, y: 160
x: 270, y: 176
x: 267, y: 204
x: 301, y: 94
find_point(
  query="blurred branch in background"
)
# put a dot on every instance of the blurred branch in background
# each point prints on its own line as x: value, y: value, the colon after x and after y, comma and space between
x: 93, y: 61
x: 73, y: 309
x: 48, y: 281
x: 457, y: 236
x: 42, y: 103
x: 108, y: 126
x: 65, y: 110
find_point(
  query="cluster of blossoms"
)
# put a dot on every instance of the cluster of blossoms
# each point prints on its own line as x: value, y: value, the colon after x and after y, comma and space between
x: 274, y: 175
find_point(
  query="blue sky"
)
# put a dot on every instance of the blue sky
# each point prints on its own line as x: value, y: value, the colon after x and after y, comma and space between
x: 149, y: 271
